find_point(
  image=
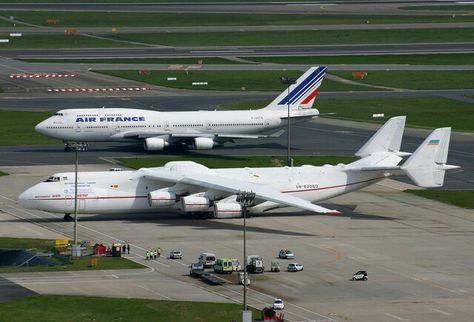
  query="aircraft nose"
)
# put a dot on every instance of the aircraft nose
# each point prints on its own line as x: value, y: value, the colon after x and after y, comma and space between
x: 41, y: 127
x: 25, y: 198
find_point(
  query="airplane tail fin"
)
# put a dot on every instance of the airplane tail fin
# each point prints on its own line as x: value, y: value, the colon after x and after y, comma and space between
x: 427, y: 165
x: 388, y: 138
x: 302, y: 93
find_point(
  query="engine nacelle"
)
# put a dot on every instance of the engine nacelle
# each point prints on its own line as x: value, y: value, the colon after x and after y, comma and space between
x: 161, y: 198
x: 194, y: 204
x: 154, y: 144
x: 203, y: 143
x: 227, y: 210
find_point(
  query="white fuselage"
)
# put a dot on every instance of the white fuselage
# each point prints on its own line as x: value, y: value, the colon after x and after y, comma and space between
x: 121, y: 124
x: 127, y: 191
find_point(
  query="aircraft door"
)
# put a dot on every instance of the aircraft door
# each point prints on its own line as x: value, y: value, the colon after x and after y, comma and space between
x: 267, y: 122
x: 78, y: 128
x: 208, y: 125
x: 166, y: 126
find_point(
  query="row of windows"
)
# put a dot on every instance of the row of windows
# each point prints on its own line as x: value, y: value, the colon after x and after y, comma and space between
x: 86, y: 115
x: 59, y: 127
x: 237, y: 124
x: 181, y: 125
x: 113, y: 115
x: 97, y: 127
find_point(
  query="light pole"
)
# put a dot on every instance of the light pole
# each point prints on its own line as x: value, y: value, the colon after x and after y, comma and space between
x: 288, y: 81
x: 75, y: 248
x: 245, y: 199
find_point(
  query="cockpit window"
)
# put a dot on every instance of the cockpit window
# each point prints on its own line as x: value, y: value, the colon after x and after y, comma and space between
x: 59, y: 114
x: 53, y: 179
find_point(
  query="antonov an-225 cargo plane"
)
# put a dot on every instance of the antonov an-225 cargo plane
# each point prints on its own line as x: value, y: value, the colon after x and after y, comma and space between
x: 198, y: 129
x: 195, y: 189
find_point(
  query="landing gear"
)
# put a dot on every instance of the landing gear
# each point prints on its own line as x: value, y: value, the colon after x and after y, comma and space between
x: 200, y: 215
x: 68, y: 217
x: 80, y: 146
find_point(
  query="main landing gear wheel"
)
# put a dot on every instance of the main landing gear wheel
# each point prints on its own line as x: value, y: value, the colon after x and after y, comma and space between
x: 68, y: 147
x: 68, y: 217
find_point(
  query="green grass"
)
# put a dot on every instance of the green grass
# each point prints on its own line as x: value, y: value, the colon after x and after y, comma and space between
x: 416, y: 79
x: 420, y: 59
x: 225, y: 80
x: 3, y: 174
x: 18, y: 128
x: 205, y: 60
x: 460, y: 198
x: 427, y: 112
x: 82, y: 308
x: 212, y: 161
x: 169, y: 19
x: 77, y: 264
x: 60, y: 41
x: 323, y: 37
x: 35, y: 244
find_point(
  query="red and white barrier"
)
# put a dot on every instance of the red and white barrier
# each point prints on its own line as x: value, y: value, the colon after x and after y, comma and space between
x: 97, y: 90
x: 41, y: 75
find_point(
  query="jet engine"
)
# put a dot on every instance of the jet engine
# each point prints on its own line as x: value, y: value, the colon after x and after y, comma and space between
x: 161, y: 198
x: 227, y: 210
x: 154, y: 144
x: 194, y: 204
x: 203, y: 143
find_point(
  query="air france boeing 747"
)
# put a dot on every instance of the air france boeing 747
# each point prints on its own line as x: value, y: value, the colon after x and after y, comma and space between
x: 198, y: 129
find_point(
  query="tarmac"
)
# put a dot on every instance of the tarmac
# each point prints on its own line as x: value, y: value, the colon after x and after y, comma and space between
x: 416, y: 251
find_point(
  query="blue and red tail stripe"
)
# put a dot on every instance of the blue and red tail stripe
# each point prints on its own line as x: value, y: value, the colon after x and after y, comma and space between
x: 306, y: 90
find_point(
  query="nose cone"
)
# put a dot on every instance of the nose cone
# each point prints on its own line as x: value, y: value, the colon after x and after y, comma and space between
x: 25, y: 199
x: 41, y: 127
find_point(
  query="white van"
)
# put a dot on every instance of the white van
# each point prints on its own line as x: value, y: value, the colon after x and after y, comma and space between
x: 207, y: 259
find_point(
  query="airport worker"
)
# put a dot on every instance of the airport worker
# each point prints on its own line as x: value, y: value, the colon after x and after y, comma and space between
x: 128, y: 248
x: 155, y: 253
x: 124, y: 248
x: 159, y: 251
x: 147, y: 255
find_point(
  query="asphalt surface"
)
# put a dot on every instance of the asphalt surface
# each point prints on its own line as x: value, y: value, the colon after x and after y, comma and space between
x: 319, y: 137
x: 296, y: 50
x: 332, y: 7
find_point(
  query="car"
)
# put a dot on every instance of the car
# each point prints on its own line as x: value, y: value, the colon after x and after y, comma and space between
x: 286, y: 254
x: 295, y: 267
x: 176, y: 254
x: 278, y: 304
x: 360, y: 276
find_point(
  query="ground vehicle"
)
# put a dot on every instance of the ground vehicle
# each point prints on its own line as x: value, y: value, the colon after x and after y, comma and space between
x: 224, y: 265
x: 208, y: 259
x: 275, y: 266
x: 176, y: 254
x: 196, y: 269
x: 278, y: 304
x: 255, y: 264
x: 241, y: 278
x: 236, y: 265
x: 295, y: 267
x: 360, y: 276
x: 286, y: 254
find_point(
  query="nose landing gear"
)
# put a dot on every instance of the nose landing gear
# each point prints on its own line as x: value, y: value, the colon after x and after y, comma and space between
x: 68, y: 217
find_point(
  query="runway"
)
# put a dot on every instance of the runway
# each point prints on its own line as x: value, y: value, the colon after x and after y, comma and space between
x: 296, y: 50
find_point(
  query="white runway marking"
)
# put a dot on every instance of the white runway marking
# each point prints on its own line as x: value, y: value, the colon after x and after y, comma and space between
x: 396, y: 317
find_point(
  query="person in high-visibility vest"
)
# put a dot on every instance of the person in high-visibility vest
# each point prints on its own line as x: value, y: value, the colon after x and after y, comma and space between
x: 155, y: 253
x: 147, y: 255
x: 159, y: 251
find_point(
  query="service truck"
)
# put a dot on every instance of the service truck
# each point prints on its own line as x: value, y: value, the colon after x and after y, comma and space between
x: 224, y: 266
x: 255, y: 264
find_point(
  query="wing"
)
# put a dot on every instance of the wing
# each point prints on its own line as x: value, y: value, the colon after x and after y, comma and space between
x: 216, y: 182
x: 228, y: 136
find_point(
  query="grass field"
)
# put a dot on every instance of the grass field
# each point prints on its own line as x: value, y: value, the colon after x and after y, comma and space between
x: 82, y: 308
x: 460, y: 198
x: 460, y: 7
x: 416, y: 79
x: 205, y: 60
x: 420, y: 59
x: 213, y: 161
x: 426, y: 112
x: 169, y: 19
x: 18, y: 128
x: 323, y: 37
x: 225, y: 80
x: 3, y: 174
x: 74, y: 264
x: 60, y: 41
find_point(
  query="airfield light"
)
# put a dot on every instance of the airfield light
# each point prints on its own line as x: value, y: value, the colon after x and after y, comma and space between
x: 288, y: 81
x: 245, y: 199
